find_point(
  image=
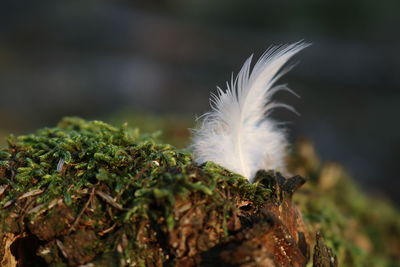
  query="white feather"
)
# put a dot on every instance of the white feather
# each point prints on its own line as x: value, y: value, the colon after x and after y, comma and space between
x: 237, y: 133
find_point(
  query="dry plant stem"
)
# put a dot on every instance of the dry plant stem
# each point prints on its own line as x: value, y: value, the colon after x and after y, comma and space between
x: 92, y: 192
x: 109, y: 200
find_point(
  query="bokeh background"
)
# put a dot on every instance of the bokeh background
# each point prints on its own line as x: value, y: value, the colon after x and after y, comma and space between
x: 111, y: 60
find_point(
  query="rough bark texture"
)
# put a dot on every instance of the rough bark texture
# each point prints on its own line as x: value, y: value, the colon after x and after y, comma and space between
x: 268, y: 234
x: 323, y: 256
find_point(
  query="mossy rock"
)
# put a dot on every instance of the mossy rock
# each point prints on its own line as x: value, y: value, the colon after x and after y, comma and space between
x: 87, y: 193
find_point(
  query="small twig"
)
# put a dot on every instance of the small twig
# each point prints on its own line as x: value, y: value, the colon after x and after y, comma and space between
x: 109, y: 200
x: 36, y: 209
x: 23, y: 196
x: 62, y: 248
x: 32, y: 193
x: 3, y: 189
x: 101, y: 233
x: 39, y: 207
x: 28, y: 205
x: 83, y: 191
x: 8, y: 203
x: 82, y: 211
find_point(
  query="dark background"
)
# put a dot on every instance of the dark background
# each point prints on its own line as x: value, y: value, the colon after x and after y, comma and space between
x: 96, y: 58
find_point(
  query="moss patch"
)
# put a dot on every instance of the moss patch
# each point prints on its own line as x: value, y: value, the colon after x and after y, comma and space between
x: 124, y: 188
x: 361, y: 230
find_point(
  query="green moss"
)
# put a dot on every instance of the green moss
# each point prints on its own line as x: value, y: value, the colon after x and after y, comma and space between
x: 136, y: 178
x: 362, y: 230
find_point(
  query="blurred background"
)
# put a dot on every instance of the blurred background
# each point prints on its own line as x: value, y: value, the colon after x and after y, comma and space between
x: 118, y: 60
